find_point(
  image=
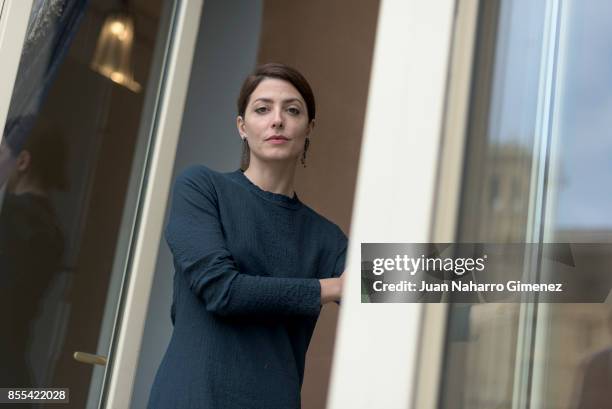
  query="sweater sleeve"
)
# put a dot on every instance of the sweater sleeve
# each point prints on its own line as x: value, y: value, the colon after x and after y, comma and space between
x: 340, y: 264
x: 195, y: 237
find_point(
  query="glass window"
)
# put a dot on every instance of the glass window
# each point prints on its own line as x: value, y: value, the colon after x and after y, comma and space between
x: 71, y: 150
x: 536, y: 168
x: 572, y: 345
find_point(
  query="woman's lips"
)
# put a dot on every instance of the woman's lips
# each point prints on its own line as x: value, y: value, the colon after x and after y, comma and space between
x: 277, y: 140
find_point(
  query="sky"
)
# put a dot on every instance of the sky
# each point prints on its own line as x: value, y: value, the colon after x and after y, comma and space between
x: 582, y: 134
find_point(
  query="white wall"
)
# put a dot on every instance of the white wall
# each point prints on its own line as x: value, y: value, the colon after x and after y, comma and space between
x: 226, y: 52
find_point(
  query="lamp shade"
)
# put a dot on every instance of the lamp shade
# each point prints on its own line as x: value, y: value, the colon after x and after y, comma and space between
x: 113, y: 55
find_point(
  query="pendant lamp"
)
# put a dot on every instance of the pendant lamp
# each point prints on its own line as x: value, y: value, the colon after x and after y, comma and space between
x: 113, y: 55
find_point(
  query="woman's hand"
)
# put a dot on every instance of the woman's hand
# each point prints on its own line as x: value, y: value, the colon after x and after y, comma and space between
x: 331, y: 289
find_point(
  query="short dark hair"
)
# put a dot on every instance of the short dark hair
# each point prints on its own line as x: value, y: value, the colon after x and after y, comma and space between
x: 281, y: 72
x: 47, y: 147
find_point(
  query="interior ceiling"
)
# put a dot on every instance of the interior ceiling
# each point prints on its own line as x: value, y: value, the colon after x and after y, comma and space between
x: 149, y: 8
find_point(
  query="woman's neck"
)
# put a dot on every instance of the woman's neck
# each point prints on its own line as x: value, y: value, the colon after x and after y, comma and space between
x: 25, y: 185
x: 272, y: 177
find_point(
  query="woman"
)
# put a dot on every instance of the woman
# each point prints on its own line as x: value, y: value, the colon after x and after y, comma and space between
x: 31, y: 241
x: 253, y: 263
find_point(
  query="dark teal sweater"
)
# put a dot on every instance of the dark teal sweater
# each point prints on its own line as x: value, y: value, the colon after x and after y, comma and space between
x: 246, y: 293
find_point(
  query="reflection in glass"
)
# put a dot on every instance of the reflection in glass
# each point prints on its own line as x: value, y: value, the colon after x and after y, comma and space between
x: 67, y: 156
x: 481, y: 347
x: 563, y: 360
x: 31, y: 243
x: 574, y: 352
x: 113, y: 56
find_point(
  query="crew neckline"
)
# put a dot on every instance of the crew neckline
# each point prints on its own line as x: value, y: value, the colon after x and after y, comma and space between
x: 278, y: 198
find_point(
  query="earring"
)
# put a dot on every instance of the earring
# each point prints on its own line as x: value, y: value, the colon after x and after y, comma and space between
x: 244, y: 160
x: 306, y: 145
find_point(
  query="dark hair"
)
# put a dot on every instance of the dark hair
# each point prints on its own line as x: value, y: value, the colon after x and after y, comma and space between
x: 16, y: 131
x: 281, y: 72
x: 48, y: 150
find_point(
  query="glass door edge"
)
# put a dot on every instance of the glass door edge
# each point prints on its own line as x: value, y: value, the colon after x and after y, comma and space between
x: 448, y: 194
x: 523, y: 374
x: 168, y: 122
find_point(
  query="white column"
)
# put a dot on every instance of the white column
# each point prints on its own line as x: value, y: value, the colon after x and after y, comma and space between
x: 376, y: 347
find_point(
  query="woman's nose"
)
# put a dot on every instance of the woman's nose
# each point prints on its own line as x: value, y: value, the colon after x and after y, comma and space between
x: 277, y: 119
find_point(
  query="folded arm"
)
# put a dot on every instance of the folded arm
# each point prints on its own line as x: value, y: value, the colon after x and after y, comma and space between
x: 196, y: 240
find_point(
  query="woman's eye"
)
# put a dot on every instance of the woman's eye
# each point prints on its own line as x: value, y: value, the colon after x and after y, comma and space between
x: 261, y: 110
x: 293, y: 111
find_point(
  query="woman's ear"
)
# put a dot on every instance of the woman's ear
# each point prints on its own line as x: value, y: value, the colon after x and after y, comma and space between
x: 23, y: 161
x: 240, y: 126
x: 311, y: 126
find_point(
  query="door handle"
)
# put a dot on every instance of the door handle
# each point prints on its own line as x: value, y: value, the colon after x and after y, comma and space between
x: 91, y: 359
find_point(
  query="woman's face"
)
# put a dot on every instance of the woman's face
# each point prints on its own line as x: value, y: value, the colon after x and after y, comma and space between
x: 275, y: 122
x: 7, y: 163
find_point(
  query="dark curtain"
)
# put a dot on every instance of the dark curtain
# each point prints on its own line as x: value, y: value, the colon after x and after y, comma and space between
x: 51, y: 28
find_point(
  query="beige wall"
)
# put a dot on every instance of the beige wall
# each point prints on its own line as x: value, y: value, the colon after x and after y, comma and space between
x: 331, y: 43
